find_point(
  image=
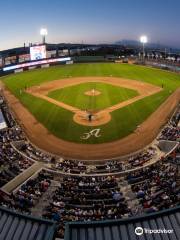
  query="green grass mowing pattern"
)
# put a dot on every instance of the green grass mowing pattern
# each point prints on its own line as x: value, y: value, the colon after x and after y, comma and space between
x: 75, y: 95
x: 35, y: 77
x: 124, y: 121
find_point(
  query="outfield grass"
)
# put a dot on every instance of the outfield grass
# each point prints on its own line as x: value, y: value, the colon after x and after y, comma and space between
x: 124, y: 121
x: 109, y: 95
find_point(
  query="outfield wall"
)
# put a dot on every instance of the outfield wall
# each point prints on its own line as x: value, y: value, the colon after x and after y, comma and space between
x: 86, y: 59
x: 173, y: 67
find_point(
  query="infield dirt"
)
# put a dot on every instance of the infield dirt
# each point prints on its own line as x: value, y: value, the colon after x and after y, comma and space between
x: 101, y: 117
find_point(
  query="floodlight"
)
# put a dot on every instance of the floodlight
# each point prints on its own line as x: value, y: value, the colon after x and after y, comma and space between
x: 143, y: 39
x: 43, y: 32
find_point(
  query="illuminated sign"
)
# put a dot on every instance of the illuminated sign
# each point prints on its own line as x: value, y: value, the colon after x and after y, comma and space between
x: 46, y: 61
x: 38, y: 52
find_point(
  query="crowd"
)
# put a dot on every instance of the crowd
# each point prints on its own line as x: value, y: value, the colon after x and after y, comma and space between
x: 32, y: 152
x: 174, y: 157
x: 141, y: 158
x: 28, y: 194
x: 136, y: 160
x: 70, y: 166
x: 78, y: 167
x: 11, y: 163
x: 158, y: 186
x: 87, y: 199
x: 172, y: 130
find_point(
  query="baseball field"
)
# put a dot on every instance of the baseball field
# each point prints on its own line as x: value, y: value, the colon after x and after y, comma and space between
x: 125, y: 95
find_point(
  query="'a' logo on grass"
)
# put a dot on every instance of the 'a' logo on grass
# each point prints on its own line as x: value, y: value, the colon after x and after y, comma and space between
x: 94, y: 132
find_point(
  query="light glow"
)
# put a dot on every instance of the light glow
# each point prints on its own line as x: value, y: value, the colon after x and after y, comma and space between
x: 143, y: 39
x: 43, y: 32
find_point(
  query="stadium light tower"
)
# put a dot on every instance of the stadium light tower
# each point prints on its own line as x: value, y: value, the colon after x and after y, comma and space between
x: 143, y: 40
x: 43, y: 33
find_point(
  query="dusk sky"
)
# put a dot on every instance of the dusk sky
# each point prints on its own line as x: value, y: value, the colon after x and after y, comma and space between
x: 90, y: 21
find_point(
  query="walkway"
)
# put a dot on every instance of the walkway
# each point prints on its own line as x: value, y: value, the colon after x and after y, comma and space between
x: 22, y: 177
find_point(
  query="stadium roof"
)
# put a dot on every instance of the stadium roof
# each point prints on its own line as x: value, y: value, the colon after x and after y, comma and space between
x: 124, y: 229
x: 14, y: 226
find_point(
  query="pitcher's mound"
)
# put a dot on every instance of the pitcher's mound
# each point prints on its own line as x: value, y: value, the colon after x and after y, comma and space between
x: 92, y: 92
x: 98, y: 119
